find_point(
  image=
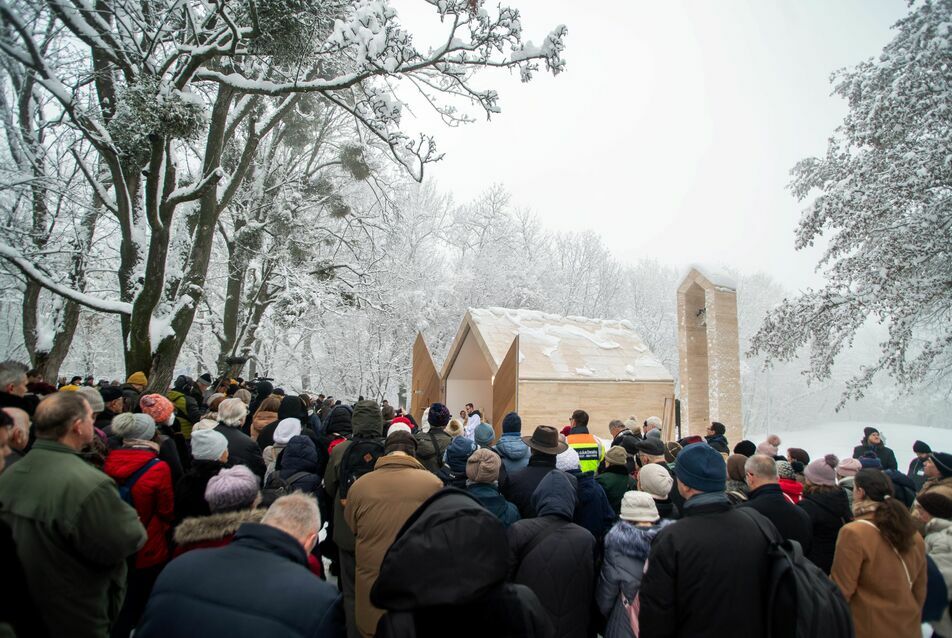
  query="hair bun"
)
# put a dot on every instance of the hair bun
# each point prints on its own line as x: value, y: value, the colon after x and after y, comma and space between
x: 831, y: 460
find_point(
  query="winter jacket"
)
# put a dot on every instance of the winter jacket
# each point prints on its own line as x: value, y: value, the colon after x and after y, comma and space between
x: 938, y: 534
x: 259, y: 421
x: 152, y: 497
x: 173, y: 449
x: 874, y: 582
x: 378, y: 504
x: 300, y: 455
x: 559, y: 567
x: 212, y: 530
x: 626, y: 550
x: 258, y: 585
x: 17, y: 611
x: 521, y: 484
x: 829, y: 511
x: 513, y: 451
x: 699, y: 569
x: 903, y: 487
x: 592, y: 511
x: 792, y: 489
x: 242, y: 450
x: 490, y: 498
x: 190, y: 489
x: 885, y: 455
x: 791, y: 521
x: 449, y: 478
x: 420, y: 584
x: 917, y: 472
x: 291, y: 408
x: 187, y: 410
x: 104, y: 420
x: 339, y: 420
x: 719, y: 443
x: 367, y: 424
x: 590, y: 449
x: 931, y: 484
x: 432, y: 459
x: 615, y: 480
x: 846, y: 484
x: 73, y: 534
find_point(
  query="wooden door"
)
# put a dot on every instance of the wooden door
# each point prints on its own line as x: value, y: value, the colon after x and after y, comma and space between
x: 506, y: 387
x: 426, y: 386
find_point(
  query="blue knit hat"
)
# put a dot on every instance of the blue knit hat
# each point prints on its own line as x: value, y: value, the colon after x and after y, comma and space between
x: 458, y: 453
x: 512, y: 423
x: 483, y: 435
x: 700, y: 466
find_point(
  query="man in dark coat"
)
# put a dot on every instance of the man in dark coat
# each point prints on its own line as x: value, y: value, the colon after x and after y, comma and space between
x: 13, y: 392
x: 521, y: 484
x: 112, y: 406
x: 432, y: 445
x: 258, y: 585
x: 766, y: 497
x: 420, y: 585
x: 716, y: 439
x: 873, y: 442
x: 705, y: 565
x: 917, y: 469
x: 554, y: 557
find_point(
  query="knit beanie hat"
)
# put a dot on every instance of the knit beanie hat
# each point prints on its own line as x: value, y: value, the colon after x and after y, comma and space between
x: 938, y: 503
x: 736, y: 470
x: 109, y: 394
x: 138, y: 378
x: 798, y: 454
x: 616, y: 455
x: 822, y: 471
x: 848, y: 467
x: 398, y: 426
x: 458, y: 453
x: 233, y: 488
x: 438, y: 416
x: 483, y: 435
x: 655, y: 480
x: 868, y: 431
x: 745, y: 447
x: 512, y: 423
x: 205, y: 424
x: 702, y: 467
x: 920, y: 447
x: 654, y: 434
x: 638, y: 507
x: 942, y: 462
x: 130, y: 425
x: 785, y: 470
x: 483, y: 466
x: 287, y: 428
x: 770, y: 446
x: 208, y: 445
x: 157, y: 407
x: 567, y: 460
x: 870, y: 462
x: 93, y: 398
x: 242, y: 394
x: 400, y: 441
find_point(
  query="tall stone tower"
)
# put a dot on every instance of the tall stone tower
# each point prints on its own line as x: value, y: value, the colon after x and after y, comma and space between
x: 708, y: 346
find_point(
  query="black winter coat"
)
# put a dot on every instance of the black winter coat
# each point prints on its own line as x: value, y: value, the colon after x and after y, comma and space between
x: 885, y: 455
x: 700, y: 569
x: 792, y: 522
x: 291, y: 408
x: 420, y: 581
x: 258, y: 585
x: 242, y: 450
x: 190, y: 490
x: 300, y: 455
x: 520, y: 485
x: 916, y: 473
x: 593, y: 511
x: 560, y: 567
x: 828, y: 512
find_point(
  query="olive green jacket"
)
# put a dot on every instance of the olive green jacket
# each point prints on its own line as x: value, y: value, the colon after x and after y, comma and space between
x: 73, y: 534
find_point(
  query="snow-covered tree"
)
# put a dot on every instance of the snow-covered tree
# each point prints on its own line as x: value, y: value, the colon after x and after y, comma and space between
x: 883, y: 198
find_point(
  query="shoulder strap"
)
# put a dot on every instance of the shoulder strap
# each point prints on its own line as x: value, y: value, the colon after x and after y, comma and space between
x: 436, y: 447
x: 769, y: 532
x: 294, y: 478
x: 892, y: 547
x: 135, y: 476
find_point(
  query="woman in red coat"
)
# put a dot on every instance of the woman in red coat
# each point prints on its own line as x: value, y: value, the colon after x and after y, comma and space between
x: 147, y: 482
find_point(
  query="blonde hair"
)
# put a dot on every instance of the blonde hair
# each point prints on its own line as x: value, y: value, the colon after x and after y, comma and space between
x: 454, y: 428
x: 232, y: 412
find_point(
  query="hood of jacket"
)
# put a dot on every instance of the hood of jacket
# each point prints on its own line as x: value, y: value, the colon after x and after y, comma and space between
x: 512, y: 447
x: 292, y: 408
x: 339, y: 420
x: 556, y: 495
x: 215, y: 526
x: 122, y: 463
x: 300, y: 455
x: 631, y: 540
x: 366, y: 419
x: 422, y: 568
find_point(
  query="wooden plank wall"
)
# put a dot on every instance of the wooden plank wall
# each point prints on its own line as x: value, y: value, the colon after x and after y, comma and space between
x: 506, y: 387
x: 426, y: 385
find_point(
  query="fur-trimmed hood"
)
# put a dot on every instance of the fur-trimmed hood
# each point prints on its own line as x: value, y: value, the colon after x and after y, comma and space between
x: 631, y: 540
x: 215, y: 526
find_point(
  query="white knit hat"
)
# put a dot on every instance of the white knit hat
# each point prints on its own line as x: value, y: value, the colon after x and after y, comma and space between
x: 638, y: 507
x: 129, y: 425
x: 287, y: 428
x: 656, y: 481
x: 399, y: 427
x: 567, y: 460
x: 208, y: 445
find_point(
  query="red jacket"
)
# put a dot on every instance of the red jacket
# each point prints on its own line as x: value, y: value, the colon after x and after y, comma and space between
x: 152, y: 496
x: 793, y: 490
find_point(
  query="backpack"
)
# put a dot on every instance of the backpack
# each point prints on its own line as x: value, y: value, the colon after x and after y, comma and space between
x: 125, y: 489
x: 359, y: 459
x: 276, y: 487
x: 802, y: 601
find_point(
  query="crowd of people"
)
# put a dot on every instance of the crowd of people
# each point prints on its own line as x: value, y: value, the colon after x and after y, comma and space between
x: 242, y: 510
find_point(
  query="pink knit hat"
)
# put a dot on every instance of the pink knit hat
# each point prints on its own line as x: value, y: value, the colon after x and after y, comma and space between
x: 157, y: 407
x: 822, y: 471
x: 848, y: 467
x: 233, y: 488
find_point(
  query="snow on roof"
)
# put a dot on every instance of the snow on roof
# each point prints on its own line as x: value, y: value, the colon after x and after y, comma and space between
x: 556, y: 347
x: 718, y: 277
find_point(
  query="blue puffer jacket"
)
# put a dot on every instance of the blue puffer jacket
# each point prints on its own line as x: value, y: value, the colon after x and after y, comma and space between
x: 593, y: 511
x: 492, y: 500
x: 626, y: 550
x: 300, y: 455
x: 513, y: 450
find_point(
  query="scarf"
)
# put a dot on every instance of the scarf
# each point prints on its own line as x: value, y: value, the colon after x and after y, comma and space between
x: 132, y: 443
x: 864, y: 508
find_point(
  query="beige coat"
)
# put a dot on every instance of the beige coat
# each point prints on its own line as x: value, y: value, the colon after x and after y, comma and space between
x: 261, y: 420
x: 378, y: 504
x: 871, y: 576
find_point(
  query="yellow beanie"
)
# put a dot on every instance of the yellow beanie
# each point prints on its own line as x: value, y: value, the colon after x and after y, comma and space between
x: 69, y: 388
x: 138, y: 378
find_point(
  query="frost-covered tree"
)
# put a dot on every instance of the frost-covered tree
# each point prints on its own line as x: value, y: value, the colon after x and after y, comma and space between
x: 160, y: 90
x: 883, y: 198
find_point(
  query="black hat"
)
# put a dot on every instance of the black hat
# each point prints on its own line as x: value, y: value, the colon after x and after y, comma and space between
x: 936, y: 503
x: 943, y: 462
x: 921, y: 448
x: 745, y: 447
x: 109, y: 393
x: 205, y: 378
x: 651, y: 447
x: 868, y: 431
x: 545, y: 439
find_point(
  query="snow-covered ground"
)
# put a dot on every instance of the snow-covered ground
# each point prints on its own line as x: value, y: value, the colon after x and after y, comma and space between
x: 840, y: 438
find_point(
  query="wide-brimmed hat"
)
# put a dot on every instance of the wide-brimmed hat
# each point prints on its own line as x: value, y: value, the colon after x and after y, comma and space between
x: 546, y: 439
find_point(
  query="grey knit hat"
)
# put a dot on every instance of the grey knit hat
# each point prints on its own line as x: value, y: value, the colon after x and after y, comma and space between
x: 133, y: 425
x: 233, y: 488
x: 208, y: 445
x: 93, y: 397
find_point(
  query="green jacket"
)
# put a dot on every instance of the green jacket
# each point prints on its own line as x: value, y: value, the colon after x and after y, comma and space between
x: 615, y: 484
x: 430, y: 457
x: 73, y: 534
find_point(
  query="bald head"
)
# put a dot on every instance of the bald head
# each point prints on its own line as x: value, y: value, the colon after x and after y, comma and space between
x: 761, y: 470
x: 20, y: 435
x: 297, y: 515
x: 64, y: 417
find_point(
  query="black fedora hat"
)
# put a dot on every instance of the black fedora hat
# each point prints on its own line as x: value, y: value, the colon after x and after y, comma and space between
x: 546, y: 439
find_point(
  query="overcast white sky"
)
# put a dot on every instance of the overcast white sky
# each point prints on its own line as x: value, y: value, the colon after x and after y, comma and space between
x: 674, y: 127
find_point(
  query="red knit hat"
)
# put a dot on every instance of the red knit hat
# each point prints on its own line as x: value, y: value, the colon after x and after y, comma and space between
x: 157, y: 407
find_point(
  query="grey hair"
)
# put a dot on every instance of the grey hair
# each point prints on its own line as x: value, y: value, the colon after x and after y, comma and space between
x: 654, y: 421
x: 232, y: 412
x: 11, y: 372
x: 296, y: 514
x: 762, y: 466
x: 616, y: 423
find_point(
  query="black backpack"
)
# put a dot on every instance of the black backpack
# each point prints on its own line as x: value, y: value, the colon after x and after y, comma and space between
x: 359, y: 459
x: 802, y: 601
x: 276, y: 487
